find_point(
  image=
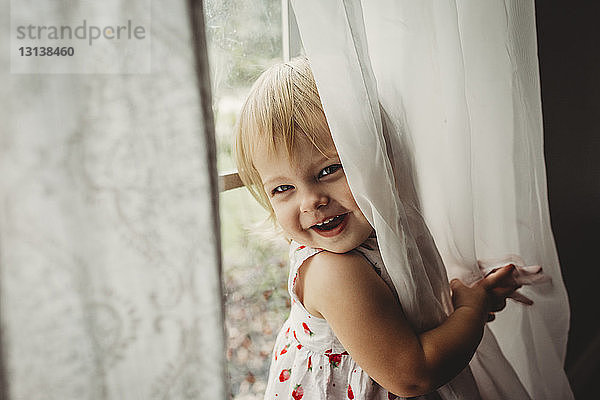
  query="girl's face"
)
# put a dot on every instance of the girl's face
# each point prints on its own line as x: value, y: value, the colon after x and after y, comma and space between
x: 311, y: 198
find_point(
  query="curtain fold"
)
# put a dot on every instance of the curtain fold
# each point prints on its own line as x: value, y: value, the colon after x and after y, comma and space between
x: 435, y: 109
x: 109, y: 254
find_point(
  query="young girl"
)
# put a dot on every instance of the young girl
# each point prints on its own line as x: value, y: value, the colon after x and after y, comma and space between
x: 346, y: 336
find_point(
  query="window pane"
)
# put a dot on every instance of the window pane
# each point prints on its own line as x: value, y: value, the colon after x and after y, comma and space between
x: 244, y: 38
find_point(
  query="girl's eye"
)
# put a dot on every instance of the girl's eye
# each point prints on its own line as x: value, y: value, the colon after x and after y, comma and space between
x: 329, y: 170
x: 281, y: 189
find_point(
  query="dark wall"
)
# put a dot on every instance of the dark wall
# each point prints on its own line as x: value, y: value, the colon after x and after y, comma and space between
x: 569, y: 55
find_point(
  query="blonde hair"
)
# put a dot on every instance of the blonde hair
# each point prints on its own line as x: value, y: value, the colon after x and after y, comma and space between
x: 283, y: 108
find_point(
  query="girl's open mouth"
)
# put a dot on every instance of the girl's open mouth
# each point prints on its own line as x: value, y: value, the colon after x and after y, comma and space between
x: 331, y: 226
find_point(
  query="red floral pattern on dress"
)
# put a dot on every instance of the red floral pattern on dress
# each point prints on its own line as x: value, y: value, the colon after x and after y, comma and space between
x: 310, y: 363
x: 307, y: 329
x: 335, y: 358
x: 298, y: 392
x: 284, y: 350
x: 350, y: 393
x: 284, y: 375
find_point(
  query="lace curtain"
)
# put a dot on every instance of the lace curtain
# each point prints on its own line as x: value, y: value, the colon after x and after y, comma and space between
x: 435, y: 109
x: 109, y: 252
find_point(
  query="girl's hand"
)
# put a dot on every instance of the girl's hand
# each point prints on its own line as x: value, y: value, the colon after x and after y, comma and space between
x: 473, y: 296
x: 499, y: 285
x: 523, y: 274
x: 490, y: 293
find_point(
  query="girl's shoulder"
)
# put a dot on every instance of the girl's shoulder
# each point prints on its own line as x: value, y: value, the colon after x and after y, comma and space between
x: 321, y: 269
x: 320, y: 274
x: 335, y: 268
x: 335, y: 265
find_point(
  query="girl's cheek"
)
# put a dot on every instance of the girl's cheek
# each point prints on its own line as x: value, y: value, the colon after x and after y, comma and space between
x: 287, y: 216
x: 280, y: 212
x: 346, y: 192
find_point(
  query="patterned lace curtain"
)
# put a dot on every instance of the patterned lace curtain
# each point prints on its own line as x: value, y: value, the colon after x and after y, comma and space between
x: 109, y: 243
x: 435, y: 109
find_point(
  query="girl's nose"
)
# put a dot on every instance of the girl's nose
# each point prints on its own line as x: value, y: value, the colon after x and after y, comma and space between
x: 313, y: 200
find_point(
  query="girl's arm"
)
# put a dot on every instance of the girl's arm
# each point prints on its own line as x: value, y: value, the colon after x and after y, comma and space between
x: 370, y: 323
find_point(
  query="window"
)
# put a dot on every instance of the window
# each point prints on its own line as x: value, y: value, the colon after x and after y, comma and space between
x: 244, y: 38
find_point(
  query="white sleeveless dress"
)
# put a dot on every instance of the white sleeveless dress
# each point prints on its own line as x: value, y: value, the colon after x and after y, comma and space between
x: 308, y: 361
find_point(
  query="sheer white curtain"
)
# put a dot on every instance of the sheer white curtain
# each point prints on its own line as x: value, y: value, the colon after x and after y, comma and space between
x: 109, y: 258
x: 435, y: 109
